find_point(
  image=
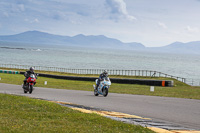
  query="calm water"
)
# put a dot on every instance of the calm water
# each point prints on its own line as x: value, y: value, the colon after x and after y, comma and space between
x: 186, y: 66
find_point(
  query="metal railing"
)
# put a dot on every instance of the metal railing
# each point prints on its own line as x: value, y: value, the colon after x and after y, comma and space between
x: 143, y: 73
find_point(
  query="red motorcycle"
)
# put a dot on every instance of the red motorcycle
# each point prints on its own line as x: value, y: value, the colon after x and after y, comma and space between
x: 31, y: 81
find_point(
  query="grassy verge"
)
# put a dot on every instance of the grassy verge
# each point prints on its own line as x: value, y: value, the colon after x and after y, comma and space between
x: 180, y: 90
x: 22, y: 114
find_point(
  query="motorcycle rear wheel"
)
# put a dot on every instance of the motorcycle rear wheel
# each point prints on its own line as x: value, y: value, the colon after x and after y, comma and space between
x: 95, y: 92
x: 30, y: 89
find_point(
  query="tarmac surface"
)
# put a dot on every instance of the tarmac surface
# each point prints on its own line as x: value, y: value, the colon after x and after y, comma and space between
x: 167, y: 113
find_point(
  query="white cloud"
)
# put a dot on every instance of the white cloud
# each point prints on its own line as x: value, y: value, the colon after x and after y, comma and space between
x: 17, y: 8
x: 32, y: 21
x: 162, y: 25
x: 118, y: 8
x: 36, y: 20
x: 21, y: 7
x: 192, y: 29
x: 5, y: 14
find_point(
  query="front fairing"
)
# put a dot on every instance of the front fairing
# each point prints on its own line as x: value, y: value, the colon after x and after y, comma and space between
x: 105, y: 83
x: 32, y: 79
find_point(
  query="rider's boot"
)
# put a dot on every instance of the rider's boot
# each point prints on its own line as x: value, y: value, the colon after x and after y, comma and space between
x: 24, y: 85
x: 96, y: 87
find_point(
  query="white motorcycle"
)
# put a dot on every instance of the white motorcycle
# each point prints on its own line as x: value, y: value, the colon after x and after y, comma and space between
x: 103, y: 87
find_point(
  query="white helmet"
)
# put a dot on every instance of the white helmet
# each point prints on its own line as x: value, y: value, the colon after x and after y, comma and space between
x: 105, y: 73
x: 31, y: 69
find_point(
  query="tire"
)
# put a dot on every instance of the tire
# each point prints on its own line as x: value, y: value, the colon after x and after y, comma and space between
x: 95, y: 92
x: 105, y: 91
x: 30, y: 89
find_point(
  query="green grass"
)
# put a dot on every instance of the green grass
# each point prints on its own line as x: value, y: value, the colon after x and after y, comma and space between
x: 24, y: 115
x: 180, y: 90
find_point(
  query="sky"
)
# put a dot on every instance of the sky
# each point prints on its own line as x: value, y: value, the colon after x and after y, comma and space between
x: 150, y: 22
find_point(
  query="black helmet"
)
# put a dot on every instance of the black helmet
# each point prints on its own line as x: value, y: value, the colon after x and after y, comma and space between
x: 31, y: 69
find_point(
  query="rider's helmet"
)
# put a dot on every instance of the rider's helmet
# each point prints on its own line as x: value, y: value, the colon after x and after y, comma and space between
x: 31, y: 69
x: 105, y: 73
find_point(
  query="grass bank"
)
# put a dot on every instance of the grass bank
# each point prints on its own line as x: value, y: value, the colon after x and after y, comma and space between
x: 22, y: 114
x: 180, y: 90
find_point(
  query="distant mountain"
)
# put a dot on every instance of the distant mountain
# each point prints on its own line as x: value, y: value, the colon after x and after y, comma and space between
x: 179, y: 47
x: 37, y: 37
x: 99, y: 41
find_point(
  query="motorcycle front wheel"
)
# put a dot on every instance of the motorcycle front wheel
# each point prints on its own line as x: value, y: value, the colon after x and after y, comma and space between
x: 105, y: 91
x: 30, y: 89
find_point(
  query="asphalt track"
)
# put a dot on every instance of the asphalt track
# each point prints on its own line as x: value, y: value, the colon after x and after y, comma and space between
x: 184, y: 112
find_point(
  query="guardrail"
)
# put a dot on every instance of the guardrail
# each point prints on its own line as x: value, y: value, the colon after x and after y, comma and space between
x: 164, y: 83
x: 143, y: 73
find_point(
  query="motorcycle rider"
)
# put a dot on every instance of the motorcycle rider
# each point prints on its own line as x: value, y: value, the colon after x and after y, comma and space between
x: 101, y: 77
x: 28, y: 73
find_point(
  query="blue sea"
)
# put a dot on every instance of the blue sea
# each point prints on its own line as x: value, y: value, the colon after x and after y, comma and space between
x: 181, y: 65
